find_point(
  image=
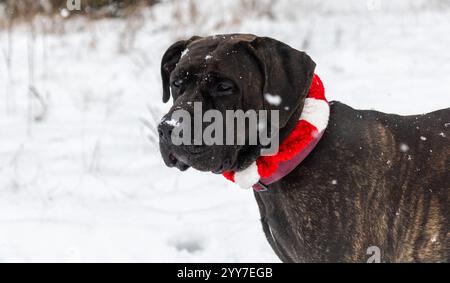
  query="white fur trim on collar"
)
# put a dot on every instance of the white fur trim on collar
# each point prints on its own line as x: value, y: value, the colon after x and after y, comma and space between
x: 247, y: 177
x: 316, y: 112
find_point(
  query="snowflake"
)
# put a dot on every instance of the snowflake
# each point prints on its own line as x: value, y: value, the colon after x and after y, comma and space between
x: 261, y: 125
x: 273, y: 99
x: 65, y: 13
x: 184, y: 52
x: 404, y: 147
x: 172, y: 122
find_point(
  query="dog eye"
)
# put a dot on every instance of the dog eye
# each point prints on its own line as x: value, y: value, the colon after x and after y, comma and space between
x: 224, y: 88
x: 178, y: 83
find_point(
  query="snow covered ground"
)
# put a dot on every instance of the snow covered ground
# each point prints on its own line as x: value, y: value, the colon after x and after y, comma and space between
x: 81, y: 181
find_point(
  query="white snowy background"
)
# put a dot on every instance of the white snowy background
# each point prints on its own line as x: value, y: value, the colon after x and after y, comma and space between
x: 80, y: 179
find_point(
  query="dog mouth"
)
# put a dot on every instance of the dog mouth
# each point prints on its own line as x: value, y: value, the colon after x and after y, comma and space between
x: 223, y: 167
x: 175, y: 162
x: 184, y: 161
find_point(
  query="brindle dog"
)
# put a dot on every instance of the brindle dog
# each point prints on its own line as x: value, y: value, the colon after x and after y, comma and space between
x: 374, y: 179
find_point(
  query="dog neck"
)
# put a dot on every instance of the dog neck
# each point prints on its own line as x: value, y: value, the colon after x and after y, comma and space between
x: 294, y: 148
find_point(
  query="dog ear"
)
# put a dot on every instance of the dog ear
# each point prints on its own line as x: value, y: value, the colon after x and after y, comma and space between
x: 169, y: 61
x: 287, y: 75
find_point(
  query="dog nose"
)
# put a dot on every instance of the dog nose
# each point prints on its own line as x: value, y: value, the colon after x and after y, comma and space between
x: 165, y: 131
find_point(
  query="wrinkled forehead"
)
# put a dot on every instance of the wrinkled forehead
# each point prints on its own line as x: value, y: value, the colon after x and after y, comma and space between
x: 217, y: 54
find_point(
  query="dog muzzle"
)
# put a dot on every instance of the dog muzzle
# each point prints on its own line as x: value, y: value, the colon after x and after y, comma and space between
x: 293, y: 149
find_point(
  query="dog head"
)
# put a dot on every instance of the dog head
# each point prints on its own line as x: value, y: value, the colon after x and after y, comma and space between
x: 229, y: 72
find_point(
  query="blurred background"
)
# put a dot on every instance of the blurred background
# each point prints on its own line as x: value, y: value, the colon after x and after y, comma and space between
x: 81, y: 178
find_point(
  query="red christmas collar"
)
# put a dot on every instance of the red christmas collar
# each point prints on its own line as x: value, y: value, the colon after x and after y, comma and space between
x: 294, y: 149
